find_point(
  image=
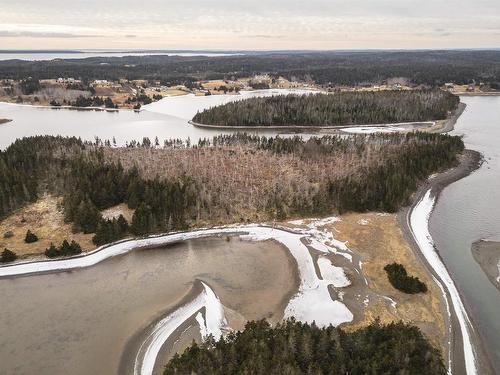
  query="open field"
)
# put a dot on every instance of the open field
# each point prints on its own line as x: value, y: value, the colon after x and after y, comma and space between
x: 44, y: 218
x: 379, y: 241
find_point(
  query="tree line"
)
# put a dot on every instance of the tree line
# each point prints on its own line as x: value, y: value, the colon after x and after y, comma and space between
x: 431, y: 68
x: 296, y: 348
x: 231, y: 178
x: 342, y: 108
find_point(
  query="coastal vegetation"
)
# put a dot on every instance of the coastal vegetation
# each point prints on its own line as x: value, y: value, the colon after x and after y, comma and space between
x: 254, y: 178
x: 7, y: 256
x: 65, y: 249
x: 298, y: 348
x: 30, y: 237
x: 399, y: 279
x: 342, y: 108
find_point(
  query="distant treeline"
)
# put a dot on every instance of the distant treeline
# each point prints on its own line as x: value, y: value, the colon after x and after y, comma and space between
x: 343, y: 108
x: 432, y: 68
x: 229, y: 179
x: 295, y: 348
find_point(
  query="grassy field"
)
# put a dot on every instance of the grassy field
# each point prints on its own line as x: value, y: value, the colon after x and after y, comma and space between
x: 380, y: 241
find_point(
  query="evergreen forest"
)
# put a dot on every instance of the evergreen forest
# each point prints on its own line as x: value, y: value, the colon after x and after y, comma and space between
x: 337, y: 109
x: 295, y: 348
x: 227, y: 179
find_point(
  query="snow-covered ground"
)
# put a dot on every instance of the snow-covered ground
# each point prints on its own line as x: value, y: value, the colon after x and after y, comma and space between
x: 419, y: 225
x: 212, y: 323
x: 386, y: 128
x: 333, y: 274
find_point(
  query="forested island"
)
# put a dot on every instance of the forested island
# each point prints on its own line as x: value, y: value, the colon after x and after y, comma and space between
x: 342, y: 108
x: 296, y: 348
x: 177, y: 186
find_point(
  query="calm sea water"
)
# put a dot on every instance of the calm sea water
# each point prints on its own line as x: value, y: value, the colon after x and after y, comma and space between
x: 469, y: 210
x: 166, y: 119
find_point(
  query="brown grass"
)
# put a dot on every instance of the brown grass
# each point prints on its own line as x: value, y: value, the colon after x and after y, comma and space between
x: 379, y: 240
x: 121, y: 209
x: 45, y: 218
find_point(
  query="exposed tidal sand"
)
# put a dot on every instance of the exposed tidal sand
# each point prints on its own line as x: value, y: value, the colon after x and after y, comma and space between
x: 332, y: 289
x: 79, y: 322
x: 487, y: 254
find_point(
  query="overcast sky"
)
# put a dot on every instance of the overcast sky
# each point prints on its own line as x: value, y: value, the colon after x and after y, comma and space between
x: 249, y: 24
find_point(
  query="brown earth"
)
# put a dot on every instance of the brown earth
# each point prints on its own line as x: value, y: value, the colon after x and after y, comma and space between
x: 379, y: 241
x: 45, y: 218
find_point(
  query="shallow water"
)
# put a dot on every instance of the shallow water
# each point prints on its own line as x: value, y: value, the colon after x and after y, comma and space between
x: 79, y: 322
x: 469, y: 210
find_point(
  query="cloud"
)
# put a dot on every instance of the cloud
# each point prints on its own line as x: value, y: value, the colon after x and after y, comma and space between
x: 42, y: 34
x: 251, y: 23
x: 264, y: 36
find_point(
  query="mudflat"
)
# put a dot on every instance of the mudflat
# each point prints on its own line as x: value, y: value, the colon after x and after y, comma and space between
x: 79, y: 322
x: 487, y: 255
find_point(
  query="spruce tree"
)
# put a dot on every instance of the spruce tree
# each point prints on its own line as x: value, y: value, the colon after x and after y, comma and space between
x: 8, y: 256
x: 30, y: 237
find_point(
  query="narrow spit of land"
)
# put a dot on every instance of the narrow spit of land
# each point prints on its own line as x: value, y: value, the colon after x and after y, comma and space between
x: 468, y: 162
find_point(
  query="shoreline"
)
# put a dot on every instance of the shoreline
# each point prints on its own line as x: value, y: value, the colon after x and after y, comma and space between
x: 449, y: 124
x: 306, y: 127
x: 493, y: 93
x: 69, y: 107
x: 434, y: 126
x: 470, y: 161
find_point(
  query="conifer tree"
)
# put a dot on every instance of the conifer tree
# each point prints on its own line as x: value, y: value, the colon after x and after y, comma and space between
x: 30, y: 237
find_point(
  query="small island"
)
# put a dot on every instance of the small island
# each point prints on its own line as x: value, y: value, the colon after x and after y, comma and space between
x: 332, y: 110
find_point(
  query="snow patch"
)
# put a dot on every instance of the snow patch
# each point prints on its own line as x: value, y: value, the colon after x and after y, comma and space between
x: 419, y: 225
x: 391, y: 301
x: 335, y: 275
x: 296, y: 222
x: 213, y: 324
x: 498, y: 266
x: 363, y: 222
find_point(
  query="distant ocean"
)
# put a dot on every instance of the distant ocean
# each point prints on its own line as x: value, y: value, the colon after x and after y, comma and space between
x: 39, y: 55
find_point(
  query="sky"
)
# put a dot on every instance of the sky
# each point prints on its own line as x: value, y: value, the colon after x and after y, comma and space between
x: 249, y: 24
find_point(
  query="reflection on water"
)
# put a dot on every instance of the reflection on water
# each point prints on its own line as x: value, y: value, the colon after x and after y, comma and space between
x: 79, y: 322
x: 469, y: 210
